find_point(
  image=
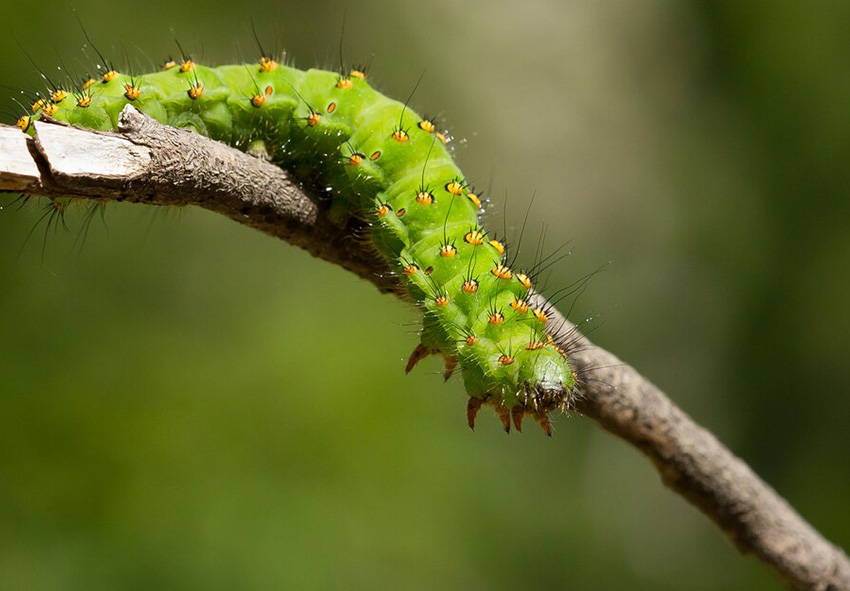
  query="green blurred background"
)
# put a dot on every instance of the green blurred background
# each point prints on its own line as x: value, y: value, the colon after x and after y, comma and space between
x: 189, y: 404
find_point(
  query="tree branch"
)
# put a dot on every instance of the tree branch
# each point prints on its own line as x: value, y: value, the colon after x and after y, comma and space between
x: 146, y: 162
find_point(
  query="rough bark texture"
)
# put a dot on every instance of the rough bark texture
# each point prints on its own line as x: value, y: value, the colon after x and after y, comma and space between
x: 146, y: 162
x: 696, y: 465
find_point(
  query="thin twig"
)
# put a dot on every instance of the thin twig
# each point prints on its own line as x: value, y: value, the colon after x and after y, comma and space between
x: 150, y: 163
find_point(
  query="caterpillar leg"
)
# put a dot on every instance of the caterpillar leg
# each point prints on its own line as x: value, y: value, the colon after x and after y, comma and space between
x: 541, y: 399
x: 514, y: 415
x: 451, y: 365
x: 543, y: 420
x: 504, y: 415
x: 517, y: 413
x: 419, y: 353
x: 472, y: 408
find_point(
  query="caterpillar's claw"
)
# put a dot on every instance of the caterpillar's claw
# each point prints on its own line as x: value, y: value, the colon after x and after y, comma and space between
x: 451, y: 365
x: 504, y: 416
x: 517, y: 413
x: 472, y: 408
x: 543, y: 420
x: 419, y: 353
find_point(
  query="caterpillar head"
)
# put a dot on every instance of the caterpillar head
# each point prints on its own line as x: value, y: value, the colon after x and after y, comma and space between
x: 533, y: 381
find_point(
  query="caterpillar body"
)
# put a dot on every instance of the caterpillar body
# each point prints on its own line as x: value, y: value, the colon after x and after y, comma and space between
x: 382, y: 162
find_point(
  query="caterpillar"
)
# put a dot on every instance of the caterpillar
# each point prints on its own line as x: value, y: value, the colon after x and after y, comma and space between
x: 380, y: 161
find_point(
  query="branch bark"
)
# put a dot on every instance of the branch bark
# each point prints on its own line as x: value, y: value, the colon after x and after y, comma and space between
x: 146, y: 162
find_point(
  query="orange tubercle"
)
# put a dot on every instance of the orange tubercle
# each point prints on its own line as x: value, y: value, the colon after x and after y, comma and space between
x: 520, y: 305
x: 132, y: 92
x: 196, y: 92
x: 267, y: 64
x: 454, y: 187
x: 474, y: 237
x: 501, y: 271
x: 401, y: 136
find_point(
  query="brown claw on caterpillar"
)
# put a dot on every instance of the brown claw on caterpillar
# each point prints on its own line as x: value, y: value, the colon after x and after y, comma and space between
x: 419, y: 353
x: 472, y: 408
x: 517, y: 413
x: 504, y: 415
x: 451, y: 365
x: 543, y: 420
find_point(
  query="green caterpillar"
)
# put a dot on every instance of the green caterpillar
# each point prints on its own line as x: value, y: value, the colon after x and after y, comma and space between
x: 386, y: 164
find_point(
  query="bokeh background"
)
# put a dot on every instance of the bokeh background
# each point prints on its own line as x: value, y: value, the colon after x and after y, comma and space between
x: 188, y: 404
